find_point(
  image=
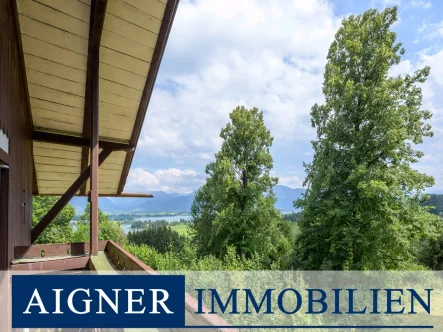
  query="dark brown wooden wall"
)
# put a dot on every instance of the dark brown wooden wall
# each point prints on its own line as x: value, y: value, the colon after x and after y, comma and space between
x: 15, y: 119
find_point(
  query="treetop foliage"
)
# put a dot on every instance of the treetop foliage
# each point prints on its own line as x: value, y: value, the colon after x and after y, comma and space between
x: 362, y: 206
x: 235, y: 207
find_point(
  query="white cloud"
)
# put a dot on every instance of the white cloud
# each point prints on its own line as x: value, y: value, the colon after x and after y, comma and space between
x: 291, y: 181
x: 433, y: 101
x: 222, y: 54
x: 267, y: 54
x: 421, y: 4
x: 430, y: 31
x: 167, y: 180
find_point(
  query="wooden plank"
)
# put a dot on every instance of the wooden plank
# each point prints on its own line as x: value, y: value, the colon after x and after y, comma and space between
x: 108, y: 192
x: 152, y: 7
x: 131, y: 31
x: 54, y: 249
x: 73, y: 8
x: 134, y: 15
x: 48, y: 15
x: 117, y: 118
x: 102, y: 265
x: 54, y: 168
x: 123, y: 61
x: 126, y: 260
x: 120, y: 111
x: 61, y: 203
x: 53, y: 191
x: 69, y: 141
x: 107, y: 172
x: 124, y: 45
x: 38, y: 104
x: 53, y: 265
x: 135, y: 195
x: 106, y: 134
x: 86, y: 2
x: 121, y: 76
x: 112, y: 167
x: 94, y: 150
x: 97, y: 17
x: 60, y: 97
x: 123, y: 127
x: 40, y: 123
x: 119, y: 159
x: 44, y: 152
x: 120, y: 90
x: 52, y: 146
x: 56, y: 176
x: 166, y: 26
x: 55, y: 161
x: 53, y: 53
x: 55, y: 69
x: 55, y: 83
x: 50, y: 115
x: 54, y: 36
x: 117, y: 100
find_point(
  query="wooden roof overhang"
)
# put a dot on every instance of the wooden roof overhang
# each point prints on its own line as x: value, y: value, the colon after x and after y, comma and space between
x: 59, y: 39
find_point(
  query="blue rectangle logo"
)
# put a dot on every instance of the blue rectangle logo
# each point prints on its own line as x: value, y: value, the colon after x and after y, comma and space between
x: 98, y: 301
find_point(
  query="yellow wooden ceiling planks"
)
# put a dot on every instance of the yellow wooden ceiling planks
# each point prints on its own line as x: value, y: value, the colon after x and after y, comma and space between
x: 55, y: 161
x: 60, y: 97
x: 62, y: 147
x: 45, y: 152
x: 58, y: 108
x: 48, y: 15
x: 56, y: 176
x: 55, y: 168
x: 151, y: 7
x: 119, y: 90
x: 55, y: 116
x: 136, y: 16
x: 42, y: 124
x: 127, y: 46
x: 129, y: 30
x: 114, y: 99
x: 53, y: 53
x: 120, y: 76
x: 53, y: 36
x: 55, y: 69
x: 123, y: 61
x: 73, y: 8
x: 55, y: 83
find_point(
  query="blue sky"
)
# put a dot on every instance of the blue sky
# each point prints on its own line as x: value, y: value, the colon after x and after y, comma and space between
x: 271, y: 55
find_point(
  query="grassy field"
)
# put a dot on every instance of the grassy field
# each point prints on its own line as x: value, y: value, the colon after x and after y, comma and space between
x: 181, y: 229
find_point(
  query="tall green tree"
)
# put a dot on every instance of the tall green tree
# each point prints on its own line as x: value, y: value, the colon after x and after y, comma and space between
x: 107, y: 229
x: 59, y: 230
x: 235, y: 207
x: 362, y: 206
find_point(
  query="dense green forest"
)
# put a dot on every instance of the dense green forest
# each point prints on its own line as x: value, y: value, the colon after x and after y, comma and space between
x: 365, y: 206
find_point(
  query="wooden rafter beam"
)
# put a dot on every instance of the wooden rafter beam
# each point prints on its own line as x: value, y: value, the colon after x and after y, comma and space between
x: 168, y: 18
x: 41, y: 136
x: 97, y: 19
x: 29, y: 119
x: 61, y: 203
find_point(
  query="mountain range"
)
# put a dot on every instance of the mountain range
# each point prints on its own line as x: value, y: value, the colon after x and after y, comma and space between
x: 174, y: 202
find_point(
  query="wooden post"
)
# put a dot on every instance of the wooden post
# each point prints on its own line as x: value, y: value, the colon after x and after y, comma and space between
x: 97, y: 18
x: 94, y: 152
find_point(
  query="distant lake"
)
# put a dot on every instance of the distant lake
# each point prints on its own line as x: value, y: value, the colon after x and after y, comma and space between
x: 127, y: 227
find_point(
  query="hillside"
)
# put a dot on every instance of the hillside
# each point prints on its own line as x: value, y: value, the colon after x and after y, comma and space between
x: 436, y: 201
x: 173, y: 202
